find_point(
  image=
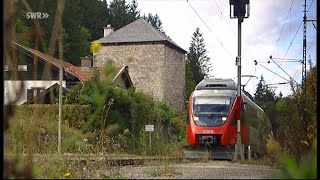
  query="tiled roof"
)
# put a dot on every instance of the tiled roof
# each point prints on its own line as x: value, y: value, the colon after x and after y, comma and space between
x: 76, y: 71
x: 137, y: 31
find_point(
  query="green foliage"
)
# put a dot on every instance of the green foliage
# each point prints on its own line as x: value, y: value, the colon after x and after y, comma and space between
x: 306, y: 170
x: 21, y: 30
x: 190, y: 81
x: 82, y: 23
x: 291, y: 130
x: 119, y: 115
x: 122, y: 13
x: 177, y: 125
x: 155, y: 21
x: 97, y: 14
x: 34, y: 128
x: 267, y: 100
x: 263, y: 93
x: 197, y: 57
x: 75, y: 115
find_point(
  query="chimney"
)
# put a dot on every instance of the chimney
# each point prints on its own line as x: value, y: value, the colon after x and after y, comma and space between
x: 107, y: 30
x: 85, y: 63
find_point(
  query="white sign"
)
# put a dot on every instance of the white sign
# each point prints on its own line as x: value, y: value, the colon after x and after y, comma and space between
x: 149, y: 127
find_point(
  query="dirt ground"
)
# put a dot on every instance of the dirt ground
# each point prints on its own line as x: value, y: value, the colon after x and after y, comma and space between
x: 213, y: 169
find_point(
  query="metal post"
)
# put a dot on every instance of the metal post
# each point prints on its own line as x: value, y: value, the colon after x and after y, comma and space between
x: 304, y: 70
x: 60, y: 93
x: 239, y: 146
x: 150, y: 140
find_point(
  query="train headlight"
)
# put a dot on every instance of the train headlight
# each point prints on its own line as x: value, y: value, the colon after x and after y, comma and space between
x: 224, y: 119
x: 195, y: 118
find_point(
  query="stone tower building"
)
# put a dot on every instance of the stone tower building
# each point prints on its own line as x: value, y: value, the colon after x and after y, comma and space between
x: 157, y: 64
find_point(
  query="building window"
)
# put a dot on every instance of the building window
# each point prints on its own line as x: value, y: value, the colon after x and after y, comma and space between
x: 33, y: 92
x: 22, y: 68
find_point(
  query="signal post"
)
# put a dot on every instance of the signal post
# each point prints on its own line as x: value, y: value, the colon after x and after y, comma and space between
x: 240, y: 11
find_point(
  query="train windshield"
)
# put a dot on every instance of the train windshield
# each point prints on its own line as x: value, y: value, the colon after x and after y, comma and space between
x: 212, y: 105
x: 211, y: 110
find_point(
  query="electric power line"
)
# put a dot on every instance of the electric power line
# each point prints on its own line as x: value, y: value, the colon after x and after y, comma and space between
x: 208, y: 27
x: 224, y: 17
x: 281, y: 68
x: 310, y: 6
x: 314, y: 37
x: 289, y: 84
x: 288, y: 48
x: 270, y: 70
x: 292, y: 41
x: 283, y: 27
x: 228, y: 23
x: 311, y: 41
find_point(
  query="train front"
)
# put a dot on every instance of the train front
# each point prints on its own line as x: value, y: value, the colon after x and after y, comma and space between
x: 211, y: 109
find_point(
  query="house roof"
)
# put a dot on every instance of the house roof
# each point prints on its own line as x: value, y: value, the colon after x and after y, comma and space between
x: 138, y: 31
x: 76, y: 71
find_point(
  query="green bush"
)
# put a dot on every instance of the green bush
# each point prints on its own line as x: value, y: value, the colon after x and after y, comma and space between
x: 307, y: 169
x: 129, y: 111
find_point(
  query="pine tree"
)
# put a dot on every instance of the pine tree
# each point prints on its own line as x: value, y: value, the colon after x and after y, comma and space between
x: 263, y: 94
x: 154, y: 21
x: 122, y: 13
x: 267, y: 100
x: 197, y: 57
x: 190, y: 82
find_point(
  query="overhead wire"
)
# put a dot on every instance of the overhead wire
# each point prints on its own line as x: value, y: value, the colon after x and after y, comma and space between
x: 288, y: 48
x: 283, y: 27
x: 308, y: 48
x: 314, y: 37
x: 229, y: 26
x: 309, y: 7
x: 270, y: 70
x: 208, y: 27
x: 224, y: 17
x: 292, y: 42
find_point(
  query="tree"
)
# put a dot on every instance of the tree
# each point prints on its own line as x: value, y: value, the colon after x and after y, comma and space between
x: 122, y: 13
x: 267, y: 99
x: 154, y: 21
x: 97, y: 15
x: 197, y: 57
x: 190, y: 82
x: 295, y: 133
x: 82, y: 23
x: 263, y: 93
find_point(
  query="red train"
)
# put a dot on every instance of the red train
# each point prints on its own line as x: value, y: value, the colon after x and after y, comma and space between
x: 212, y: 117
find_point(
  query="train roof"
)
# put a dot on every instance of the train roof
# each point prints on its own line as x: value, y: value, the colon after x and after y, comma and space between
x: 216, y: 83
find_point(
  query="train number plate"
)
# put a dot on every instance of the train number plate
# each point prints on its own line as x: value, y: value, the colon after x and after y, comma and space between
x: 207, y: 131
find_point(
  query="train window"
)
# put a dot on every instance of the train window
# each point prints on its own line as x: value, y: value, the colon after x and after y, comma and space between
x: 212, y: 105
x: 216, y: 85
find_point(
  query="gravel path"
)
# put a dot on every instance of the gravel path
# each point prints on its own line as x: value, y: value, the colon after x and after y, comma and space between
x: 192, y: 170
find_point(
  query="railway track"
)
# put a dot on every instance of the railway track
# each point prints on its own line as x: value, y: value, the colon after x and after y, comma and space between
x: 190, y: 154
x: 217, y: 153
x: 83, y: 159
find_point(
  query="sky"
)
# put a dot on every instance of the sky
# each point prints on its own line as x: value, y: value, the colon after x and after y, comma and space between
x: 272, y: 29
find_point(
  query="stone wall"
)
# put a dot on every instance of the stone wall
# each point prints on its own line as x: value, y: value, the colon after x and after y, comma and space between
x: 174, y: 78
x: 154, y: 68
